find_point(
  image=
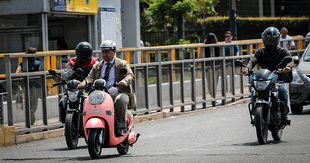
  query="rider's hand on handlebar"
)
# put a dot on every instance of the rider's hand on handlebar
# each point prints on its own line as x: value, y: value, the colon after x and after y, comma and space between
x: 286, y: 69
x: 121, y: 84
x: 81, y: 85
x: 245, y: 72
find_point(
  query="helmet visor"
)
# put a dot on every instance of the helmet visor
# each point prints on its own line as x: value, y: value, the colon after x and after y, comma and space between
x: 85, y: 56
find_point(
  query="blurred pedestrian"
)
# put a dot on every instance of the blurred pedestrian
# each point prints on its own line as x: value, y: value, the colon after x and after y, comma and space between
x: 212, y: 39
x: 34, y: 86
x: 228, y: 38
x: 285, y: 36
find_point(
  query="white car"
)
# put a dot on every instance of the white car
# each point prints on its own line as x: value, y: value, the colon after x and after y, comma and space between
x: 299, y: 88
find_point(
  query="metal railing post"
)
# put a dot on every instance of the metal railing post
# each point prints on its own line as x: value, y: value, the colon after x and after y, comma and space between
x: 193, y: 78
x: 171, y: 102
x: 182, y: 97
x: 159, y: 79
x: 8, y: 79
x: 224, y: 76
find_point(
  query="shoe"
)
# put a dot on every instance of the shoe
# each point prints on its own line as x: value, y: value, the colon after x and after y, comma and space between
x: 122, y: 131
x: 286, y: 120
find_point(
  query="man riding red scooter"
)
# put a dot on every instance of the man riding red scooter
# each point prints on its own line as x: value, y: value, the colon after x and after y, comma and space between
x: 113, y: 94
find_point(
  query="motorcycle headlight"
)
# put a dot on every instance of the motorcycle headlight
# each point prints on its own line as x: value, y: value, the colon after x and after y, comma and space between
x: 296, y: 78
x: 261, y: 85
x: 96, y: 98
x: 73, y: 95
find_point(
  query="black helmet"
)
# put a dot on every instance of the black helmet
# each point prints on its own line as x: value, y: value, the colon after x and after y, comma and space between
x: 271, y: 37
x: 84, y: 52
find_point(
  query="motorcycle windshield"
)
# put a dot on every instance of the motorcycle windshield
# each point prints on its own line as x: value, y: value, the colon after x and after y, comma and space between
x: 261, y: 75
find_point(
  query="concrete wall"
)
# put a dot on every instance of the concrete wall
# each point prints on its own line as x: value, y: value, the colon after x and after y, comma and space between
x: 24, y: 6
x: 131, y: 23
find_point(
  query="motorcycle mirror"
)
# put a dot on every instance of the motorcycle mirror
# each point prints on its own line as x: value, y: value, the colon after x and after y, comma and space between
x: 79, y: 72
x: 239, y: 63
x: 286, y: 60
x: 52, y: 72
x: 123, y: 71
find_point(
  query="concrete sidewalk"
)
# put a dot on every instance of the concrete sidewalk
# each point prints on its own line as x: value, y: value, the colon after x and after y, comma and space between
x: 8, y: 137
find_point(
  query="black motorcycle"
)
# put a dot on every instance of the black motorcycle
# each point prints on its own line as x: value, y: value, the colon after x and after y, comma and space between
x: 71, y: 106
x: 265, y: 110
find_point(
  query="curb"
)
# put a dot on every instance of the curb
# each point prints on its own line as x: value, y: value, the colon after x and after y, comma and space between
x: 8, y: 137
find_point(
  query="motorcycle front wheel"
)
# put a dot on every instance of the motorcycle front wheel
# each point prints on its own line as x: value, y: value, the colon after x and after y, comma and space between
x: 123, y: 148
x: 94, y: 146
x: 71, y: 130
x: 261, y: 124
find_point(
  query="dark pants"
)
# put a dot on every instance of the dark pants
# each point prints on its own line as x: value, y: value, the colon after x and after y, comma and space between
x: 121, y: 101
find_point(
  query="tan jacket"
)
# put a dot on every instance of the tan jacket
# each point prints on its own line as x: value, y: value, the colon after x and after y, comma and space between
x: 127, y: 78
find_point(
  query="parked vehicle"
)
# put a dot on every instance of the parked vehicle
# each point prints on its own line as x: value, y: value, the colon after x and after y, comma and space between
x: 73, y: 104
x: 100, y: 126
x: 299, y: 88
x: 265, y: 111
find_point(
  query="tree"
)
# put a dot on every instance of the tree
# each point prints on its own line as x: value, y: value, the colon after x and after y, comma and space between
x: 169, y: 13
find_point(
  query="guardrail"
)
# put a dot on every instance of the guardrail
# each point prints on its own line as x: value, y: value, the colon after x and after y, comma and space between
x: 177, y: 83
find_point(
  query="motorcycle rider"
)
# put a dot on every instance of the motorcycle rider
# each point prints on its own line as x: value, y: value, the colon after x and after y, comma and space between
x: 108, y: 69
x: 268, y: 57
x: 83, y: 60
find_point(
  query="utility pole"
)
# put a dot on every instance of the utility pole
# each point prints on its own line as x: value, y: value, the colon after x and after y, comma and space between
x: 261, y: 6
x: 272, y: 8
x: 232, y: 18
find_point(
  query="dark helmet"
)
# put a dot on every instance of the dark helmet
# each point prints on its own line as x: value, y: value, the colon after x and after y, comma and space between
x: 271, y: 37
x: 84, y: 52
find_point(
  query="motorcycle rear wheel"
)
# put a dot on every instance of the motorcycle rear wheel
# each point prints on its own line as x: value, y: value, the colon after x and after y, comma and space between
x: 71, y: 130
x: 94, y: 146
x: 261, y: 124
x: 276, y: 131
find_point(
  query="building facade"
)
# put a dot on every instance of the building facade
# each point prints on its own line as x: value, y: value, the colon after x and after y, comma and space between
x: 46, y: 24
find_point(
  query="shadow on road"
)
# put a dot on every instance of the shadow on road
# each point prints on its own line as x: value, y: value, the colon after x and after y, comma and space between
x: 256, y: 143
x: 67, y: 149
x: 89, y: 158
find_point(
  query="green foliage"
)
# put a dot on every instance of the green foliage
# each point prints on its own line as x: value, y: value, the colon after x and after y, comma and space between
x: 205, y: 8
x: 152, y: 80
x: 164, y: 12
x: 178, y: 42
x: 248, y: 28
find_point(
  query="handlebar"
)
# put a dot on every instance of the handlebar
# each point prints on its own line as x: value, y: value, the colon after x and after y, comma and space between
x: 116, y: 85
x: 63, y: 82
x: 248, y: 74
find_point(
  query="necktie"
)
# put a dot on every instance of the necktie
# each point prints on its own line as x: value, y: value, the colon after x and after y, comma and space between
x: 107, y: 71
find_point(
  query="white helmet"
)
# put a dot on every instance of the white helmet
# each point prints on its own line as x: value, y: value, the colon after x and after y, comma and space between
x: 108, y: 45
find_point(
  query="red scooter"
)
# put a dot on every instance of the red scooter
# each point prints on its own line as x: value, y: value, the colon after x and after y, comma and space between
x: 100, y: 125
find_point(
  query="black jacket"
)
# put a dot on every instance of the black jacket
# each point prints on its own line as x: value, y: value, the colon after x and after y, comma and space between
x: 268, y: 59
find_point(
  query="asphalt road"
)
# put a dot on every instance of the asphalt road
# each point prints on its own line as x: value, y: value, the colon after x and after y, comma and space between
x: 208, y: 135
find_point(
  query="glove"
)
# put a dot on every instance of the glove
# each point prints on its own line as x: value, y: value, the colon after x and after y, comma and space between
x: 77, y: 65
